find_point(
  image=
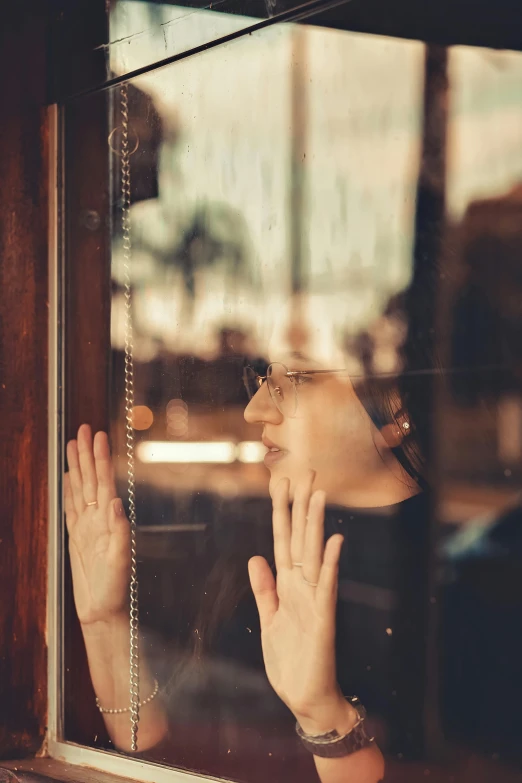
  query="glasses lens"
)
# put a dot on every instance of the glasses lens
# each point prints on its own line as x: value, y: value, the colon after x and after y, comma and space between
x: 282, y: 389
x: 250, y: 380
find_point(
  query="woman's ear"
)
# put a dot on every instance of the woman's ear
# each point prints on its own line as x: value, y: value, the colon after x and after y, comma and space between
x: 395, y: 432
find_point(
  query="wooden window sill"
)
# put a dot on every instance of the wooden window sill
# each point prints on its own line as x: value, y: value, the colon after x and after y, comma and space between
x: 45, y: 770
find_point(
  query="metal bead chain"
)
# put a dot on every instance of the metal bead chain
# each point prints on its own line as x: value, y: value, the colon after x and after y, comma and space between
x: 121, y: 710
x: 129, y: 405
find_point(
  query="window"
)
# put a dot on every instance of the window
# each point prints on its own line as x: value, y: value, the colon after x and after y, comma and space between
x: 336, y: 212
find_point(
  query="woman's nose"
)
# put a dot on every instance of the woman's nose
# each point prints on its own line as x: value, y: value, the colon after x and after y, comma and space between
x: 262, y: 408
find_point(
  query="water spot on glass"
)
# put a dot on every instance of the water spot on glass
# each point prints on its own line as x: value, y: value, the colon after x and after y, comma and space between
x: 433, y: 600
x: 399, y: 755
x: 368, y: 668
x: 389, y: 631
x: 507, y: 473
x: 249, y: 629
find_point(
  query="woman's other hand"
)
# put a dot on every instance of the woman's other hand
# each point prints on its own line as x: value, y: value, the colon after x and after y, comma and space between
x: 99, y: 534
x: 297, y: 612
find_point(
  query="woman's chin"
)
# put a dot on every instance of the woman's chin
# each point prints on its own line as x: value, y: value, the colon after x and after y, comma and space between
x: 278, y: 472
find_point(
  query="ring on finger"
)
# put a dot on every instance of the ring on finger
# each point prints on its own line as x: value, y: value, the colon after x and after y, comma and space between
x: 297, y: 565
x: 92, y: 503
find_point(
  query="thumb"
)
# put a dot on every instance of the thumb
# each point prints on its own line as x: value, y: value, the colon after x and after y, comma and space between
x: 118, y: 522
x: 264, y: 589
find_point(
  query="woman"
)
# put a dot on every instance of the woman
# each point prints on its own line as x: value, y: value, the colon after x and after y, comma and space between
x: 328, y: 438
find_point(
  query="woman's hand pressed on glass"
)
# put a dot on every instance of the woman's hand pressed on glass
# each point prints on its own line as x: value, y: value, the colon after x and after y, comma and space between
x: 99, y: 533
x: 297, y: 609
x: 99, y: 546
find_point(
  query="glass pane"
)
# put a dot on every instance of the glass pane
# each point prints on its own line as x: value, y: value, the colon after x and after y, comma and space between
x: 317, y: 280
x: 481, y: 405
x: 142, y: 33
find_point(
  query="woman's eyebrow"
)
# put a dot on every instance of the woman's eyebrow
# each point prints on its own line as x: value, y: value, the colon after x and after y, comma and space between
x: 301, y: 357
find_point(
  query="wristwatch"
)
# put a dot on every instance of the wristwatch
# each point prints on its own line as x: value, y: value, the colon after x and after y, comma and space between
x: 334, y: 745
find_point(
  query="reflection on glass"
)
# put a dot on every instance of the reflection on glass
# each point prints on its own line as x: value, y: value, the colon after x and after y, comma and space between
x: 481, y: 405
x: 142, y: 33
x: 283, y: 337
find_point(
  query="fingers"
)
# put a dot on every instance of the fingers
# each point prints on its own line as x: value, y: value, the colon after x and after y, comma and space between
x: 91, y: 471
x: 264, y: 589
x: 299, y: 516
x: 326, y: 592
x: 87, y: 467
x: 313, y: 549
x: 281, y: 525
x: 104, y: 469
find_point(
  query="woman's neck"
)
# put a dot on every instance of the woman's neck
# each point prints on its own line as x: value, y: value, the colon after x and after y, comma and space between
x: 385, y: 489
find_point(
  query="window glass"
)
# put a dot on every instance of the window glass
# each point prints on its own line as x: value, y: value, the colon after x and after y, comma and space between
x: 142, y: 33
x: 480, y: 422
x: 313, y: 278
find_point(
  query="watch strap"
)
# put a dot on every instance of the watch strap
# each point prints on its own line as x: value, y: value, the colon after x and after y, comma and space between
x: 334, y: 745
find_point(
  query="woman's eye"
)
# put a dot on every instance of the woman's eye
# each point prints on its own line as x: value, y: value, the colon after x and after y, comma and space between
x: 300, y: 379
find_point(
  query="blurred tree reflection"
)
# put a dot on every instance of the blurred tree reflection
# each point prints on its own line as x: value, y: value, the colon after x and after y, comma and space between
x: 215, y: 234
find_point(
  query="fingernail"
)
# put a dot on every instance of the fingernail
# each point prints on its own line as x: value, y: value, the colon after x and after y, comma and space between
x: 118, y: 508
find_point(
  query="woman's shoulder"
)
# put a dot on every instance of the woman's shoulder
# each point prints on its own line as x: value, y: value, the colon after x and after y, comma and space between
x: 412, y: 510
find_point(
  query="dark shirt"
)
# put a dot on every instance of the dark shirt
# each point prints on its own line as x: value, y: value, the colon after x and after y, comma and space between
x: 227, y: 721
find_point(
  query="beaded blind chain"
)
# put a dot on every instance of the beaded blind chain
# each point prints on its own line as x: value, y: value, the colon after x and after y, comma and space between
x: 129, y: 405
x: 122, y: 710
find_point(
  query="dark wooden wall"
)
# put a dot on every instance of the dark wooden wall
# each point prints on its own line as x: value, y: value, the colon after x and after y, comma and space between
x: 23, y: 376
x: 37, y: 40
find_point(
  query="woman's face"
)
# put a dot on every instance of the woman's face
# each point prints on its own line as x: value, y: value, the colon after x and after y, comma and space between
x: 330, y: 433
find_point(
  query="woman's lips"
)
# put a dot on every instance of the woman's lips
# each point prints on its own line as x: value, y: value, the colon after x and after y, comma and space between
x: 273, y: 456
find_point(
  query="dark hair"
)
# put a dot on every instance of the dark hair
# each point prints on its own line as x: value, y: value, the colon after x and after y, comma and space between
x: 412, y: 386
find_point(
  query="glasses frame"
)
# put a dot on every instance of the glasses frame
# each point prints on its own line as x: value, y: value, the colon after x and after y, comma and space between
x: 291, y: 374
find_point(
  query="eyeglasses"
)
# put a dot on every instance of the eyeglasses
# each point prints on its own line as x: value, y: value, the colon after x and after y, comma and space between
x: 282, y: 384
